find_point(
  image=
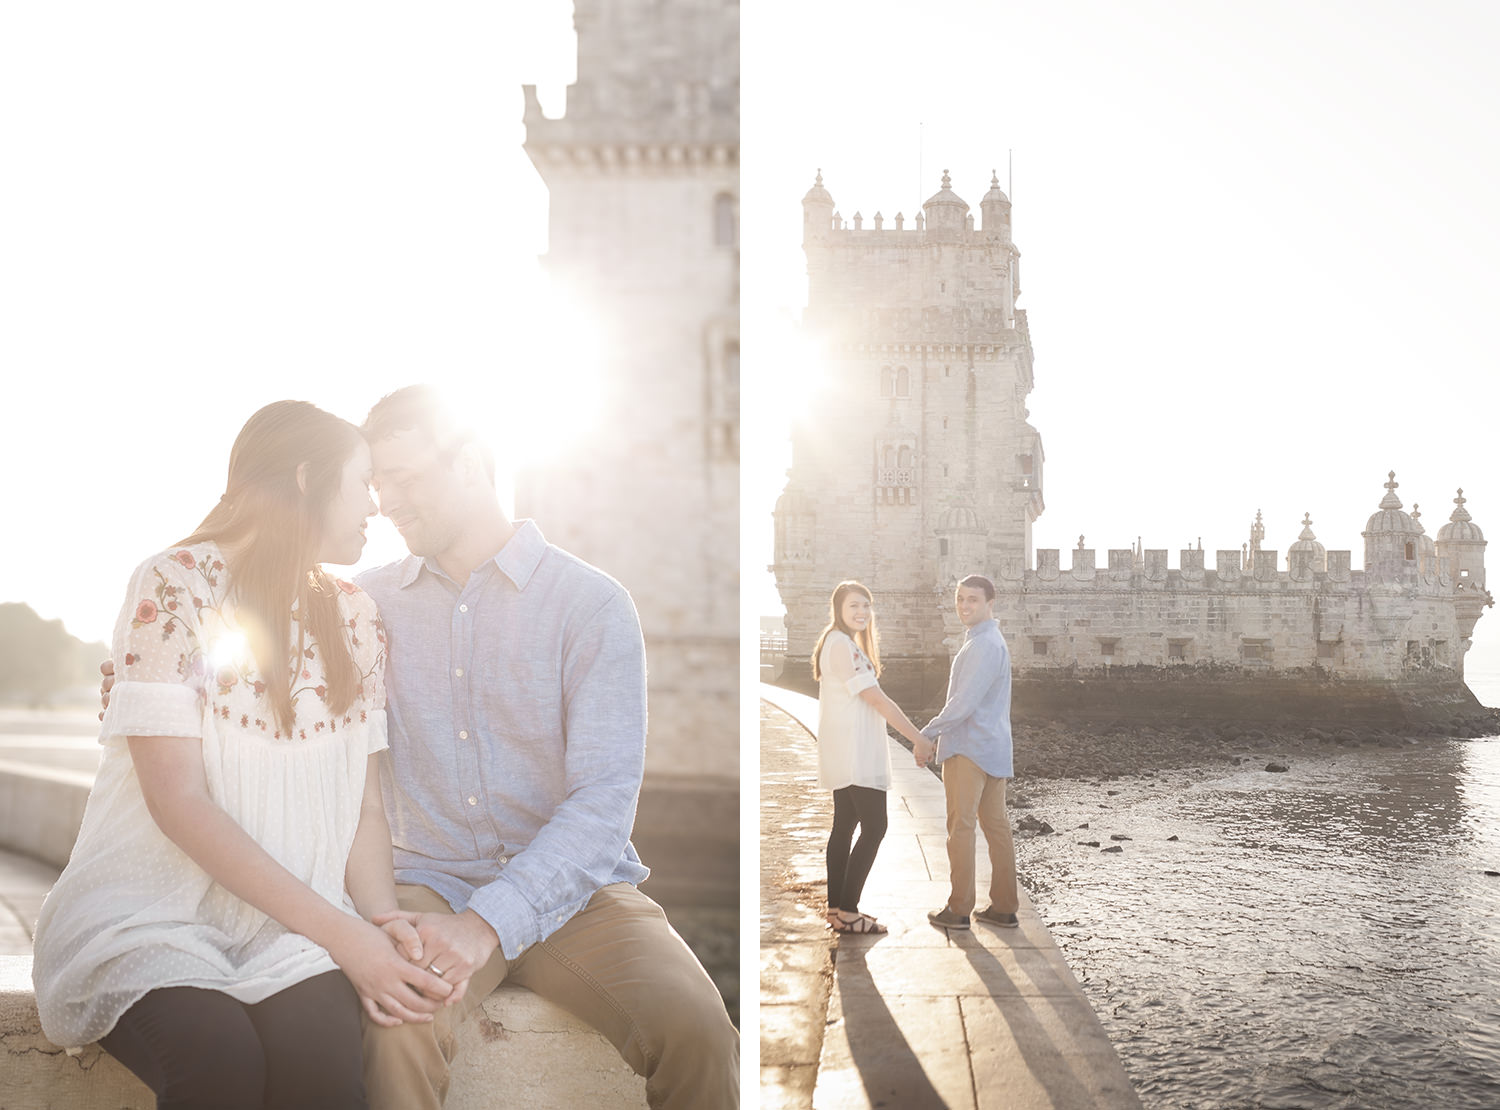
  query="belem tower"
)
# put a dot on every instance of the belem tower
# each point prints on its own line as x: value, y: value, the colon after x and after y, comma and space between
x: 642, y: 176
x: 934, y: 472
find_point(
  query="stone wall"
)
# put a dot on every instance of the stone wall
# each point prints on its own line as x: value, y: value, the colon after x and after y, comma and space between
x: 643, y: 181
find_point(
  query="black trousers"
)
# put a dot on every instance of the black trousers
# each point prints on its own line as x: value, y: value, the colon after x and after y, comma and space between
x: 297, y: 1050
x: 849, y: 867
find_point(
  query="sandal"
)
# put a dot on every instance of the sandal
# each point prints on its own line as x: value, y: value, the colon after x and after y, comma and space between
x: 861, y: 923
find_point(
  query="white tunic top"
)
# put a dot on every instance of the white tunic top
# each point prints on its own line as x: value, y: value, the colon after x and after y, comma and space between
x: 852, y: 745
x: 131, y: 912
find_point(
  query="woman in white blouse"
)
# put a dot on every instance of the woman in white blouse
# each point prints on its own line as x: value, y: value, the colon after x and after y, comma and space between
x: 212, y: 928
x: 854, y: 758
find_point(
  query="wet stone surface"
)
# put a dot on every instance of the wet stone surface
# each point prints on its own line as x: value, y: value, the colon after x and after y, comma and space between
x: 795, y: 953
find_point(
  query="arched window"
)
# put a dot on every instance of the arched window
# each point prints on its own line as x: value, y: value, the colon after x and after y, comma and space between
x: 903, y: 382
x: 890, y: 457
x: 1411, y: 550
x: 903, y: 461
x: 726, y: 233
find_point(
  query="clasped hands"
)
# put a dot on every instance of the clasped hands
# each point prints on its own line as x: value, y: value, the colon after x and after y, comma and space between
x: 923, y: 751
x: 438, y: 953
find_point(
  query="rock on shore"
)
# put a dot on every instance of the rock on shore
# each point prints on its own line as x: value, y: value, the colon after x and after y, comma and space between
x: 1056, y: 749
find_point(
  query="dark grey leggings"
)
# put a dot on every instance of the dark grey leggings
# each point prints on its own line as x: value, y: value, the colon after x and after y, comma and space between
x: 297, y: 1050
x: 849, y: 867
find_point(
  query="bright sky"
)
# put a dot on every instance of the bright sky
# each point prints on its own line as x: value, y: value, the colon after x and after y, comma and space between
x: 1259, y: 245
x: 209, y: 207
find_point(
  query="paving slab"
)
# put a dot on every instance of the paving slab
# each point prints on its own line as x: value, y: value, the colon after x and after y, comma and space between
x: 978, y: 1019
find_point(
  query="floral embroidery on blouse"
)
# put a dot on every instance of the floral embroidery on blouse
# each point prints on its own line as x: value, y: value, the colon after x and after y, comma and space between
x: 215, y: 658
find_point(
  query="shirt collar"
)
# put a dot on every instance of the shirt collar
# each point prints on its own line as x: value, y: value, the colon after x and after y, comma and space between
x: 517, y: 560
x: 981, y: 629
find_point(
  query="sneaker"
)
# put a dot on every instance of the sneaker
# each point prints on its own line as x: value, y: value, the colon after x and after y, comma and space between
x: 991, y: 916
x: 947, y: 919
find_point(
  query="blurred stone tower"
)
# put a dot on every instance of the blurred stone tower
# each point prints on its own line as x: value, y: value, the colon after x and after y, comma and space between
x: 642, y: 170
x: 923, y: 466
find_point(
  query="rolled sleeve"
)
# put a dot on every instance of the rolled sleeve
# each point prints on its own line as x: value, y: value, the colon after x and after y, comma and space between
x: 862, y: 680
x: 153, y: 709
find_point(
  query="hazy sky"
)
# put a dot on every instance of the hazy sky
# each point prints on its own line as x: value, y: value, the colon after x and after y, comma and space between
x: 1259, y: 244
x: 1258, y: 248
x: 209, y: 207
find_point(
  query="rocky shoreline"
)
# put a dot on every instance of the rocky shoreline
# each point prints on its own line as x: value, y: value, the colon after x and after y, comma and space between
x: 1071, y: 750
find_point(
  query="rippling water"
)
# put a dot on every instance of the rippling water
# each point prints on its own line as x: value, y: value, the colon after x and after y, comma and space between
x: 1325, y: 938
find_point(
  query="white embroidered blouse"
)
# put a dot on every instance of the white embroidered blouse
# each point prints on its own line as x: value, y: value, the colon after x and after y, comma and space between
x: 132, y: 912
x: 852, y: 745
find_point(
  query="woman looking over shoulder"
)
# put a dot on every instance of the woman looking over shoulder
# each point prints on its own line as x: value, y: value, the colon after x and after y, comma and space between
x: 854, y: 758
x: 216, y: 908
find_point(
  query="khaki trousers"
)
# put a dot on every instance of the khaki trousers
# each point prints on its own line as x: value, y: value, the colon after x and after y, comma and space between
x: 973, y: 795
x: 619, y: 966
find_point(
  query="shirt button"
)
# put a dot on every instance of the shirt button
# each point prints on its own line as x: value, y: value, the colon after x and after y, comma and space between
x: 463, y: 608
x: 463, y: 734
x: 504, y: 859
x: 473, y: 801
x: 459, y: 671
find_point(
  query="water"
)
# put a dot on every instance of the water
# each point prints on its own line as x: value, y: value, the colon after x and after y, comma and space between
x: 1325, y: 938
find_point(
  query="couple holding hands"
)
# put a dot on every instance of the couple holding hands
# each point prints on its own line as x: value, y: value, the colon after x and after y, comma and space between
x: 969, y: 738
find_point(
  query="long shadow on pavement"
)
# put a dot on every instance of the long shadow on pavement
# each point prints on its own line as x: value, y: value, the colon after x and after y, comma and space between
x: 1049, y: 1063
x: 877, y: 1045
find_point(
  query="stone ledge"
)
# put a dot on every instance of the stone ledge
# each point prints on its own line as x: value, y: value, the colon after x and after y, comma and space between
x: 538, y: 1054
x: 41, y: 809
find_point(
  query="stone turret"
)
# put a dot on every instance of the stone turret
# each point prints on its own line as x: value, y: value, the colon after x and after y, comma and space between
x: 1306, y: 556
x: 1427, y: 560
x: 817, y: 211
x: 995, y: 207
x: 947, y: 213
x: 1460, y: 544
x: 1391, y: 538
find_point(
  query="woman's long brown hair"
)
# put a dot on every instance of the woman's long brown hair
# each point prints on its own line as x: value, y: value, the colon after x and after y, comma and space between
x: 867, y: 640
x: 271, y: 525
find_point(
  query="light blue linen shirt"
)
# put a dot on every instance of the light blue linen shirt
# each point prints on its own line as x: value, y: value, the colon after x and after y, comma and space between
x: 975, y: 720
x: 516, y: 708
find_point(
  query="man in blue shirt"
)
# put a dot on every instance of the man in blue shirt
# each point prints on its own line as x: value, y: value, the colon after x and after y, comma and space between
x: 516, y: 701
x: 974, y: 750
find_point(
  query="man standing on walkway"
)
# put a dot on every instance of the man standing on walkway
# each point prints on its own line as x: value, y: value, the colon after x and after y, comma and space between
x: 974, y: 751
x: 517, y: 713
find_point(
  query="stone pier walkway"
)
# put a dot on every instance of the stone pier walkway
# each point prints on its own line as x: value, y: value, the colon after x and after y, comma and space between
x: 918, y: 1018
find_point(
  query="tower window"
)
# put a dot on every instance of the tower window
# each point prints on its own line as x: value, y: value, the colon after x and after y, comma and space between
x: 726, y: 234
x: 1411, y: 550
x: 942, y: 547
x: 903, y: 382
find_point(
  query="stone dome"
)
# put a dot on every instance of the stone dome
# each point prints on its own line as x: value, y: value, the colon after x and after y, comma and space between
x: 1390, y: 517
x: 1308, y: 542
x: 961, y: 518
x: 1460, y: 526
x: 817, y: 194
x: 946, y: 197
x: 996, y: 195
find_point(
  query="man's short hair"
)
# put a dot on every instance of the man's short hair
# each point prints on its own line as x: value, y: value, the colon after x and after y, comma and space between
x: 422, y: 408
x: 980, y: 582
